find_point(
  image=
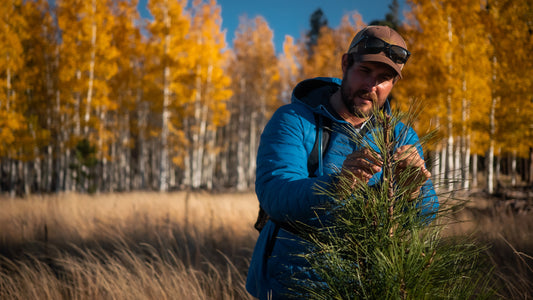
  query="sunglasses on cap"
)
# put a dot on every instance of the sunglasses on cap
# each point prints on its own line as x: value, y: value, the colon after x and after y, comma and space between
x: 373, y: 45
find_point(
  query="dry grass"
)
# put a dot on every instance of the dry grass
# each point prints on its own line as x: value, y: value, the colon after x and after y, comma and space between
x: 508, y: 236
x: 184, y: 246
x: 126, y: 246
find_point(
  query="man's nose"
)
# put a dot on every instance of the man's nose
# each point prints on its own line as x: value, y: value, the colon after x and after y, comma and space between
x: 371, y: 82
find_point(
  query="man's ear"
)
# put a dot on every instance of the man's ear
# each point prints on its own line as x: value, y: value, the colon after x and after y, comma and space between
x: 344, y: 63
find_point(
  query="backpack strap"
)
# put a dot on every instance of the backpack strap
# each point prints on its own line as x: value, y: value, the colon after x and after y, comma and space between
x: 314, y: 162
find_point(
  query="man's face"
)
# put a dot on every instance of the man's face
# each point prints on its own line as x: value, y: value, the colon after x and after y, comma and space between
x: 364, y: 84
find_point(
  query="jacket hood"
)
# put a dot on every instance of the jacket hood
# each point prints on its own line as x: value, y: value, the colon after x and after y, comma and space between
x: 315, y: 92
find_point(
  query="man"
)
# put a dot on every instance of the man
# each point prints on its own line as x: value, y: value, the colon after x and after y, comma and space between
x: 284, y: 185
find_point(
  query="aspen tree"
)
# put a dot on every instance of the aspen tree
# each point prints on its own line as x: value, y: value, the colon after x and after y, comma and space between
x: 40, y: 81
x: 433, y: 75
x: 126, y: 91
x: 13, y: 30
x: 318, y: 61
x: 87, y: 62
x: 329, y: 47
x: 168, y: 70
x: 288, y: 68
x: 211, y: 90
x: 472, y: 59
x: 510, y: 28
x: 255, y: 85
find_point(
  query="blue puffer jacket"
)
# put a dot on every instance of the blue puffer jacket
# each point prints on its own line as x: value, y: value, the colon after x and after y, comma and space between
x: 285, y: 189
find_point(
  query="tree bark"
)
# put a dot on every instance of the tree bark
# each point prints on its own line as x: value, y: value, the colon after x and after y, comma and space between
x: 164, y: 159
x: 492, y: 133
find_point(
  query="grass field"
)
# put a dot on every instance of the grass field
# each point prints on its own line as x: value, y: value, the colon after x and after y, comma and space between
x: 183, y: 246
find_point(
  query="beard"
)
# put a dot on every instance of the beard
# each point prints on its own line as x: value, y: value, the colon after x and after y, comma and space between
x: 349, y: 100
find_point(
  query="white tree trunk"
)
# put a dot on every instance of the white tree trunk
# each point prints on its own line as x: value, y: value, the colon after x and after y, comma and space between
x: 465, y: 142
x: 450, y: 169
x: 443, y: 159
x: 437, y: 162
x: 513, y: 169
x: 490, y: 167
x: 436, y: 171
x: 91, y: 72
x: 252, y: 148
x: 474, y: 170
x: 142, y: 160
x: 466, y: 164
x: 241, y: 157
x: 492, y: 132
x: 530, y: 175
x: 164, y: 162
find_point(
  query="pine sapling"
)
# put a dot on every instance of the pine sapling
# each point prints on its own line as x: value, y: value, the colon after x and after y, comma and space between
x: 383, y: 240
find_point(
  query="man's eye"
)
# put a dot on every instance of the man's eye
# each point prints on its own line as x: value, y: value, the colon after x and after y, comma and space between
x: 386, y: 77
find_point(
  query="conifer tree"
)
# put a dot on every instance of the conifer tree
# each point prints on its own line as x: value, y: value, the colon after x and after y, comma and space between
x: 383, y: 243
x: 317, y: 21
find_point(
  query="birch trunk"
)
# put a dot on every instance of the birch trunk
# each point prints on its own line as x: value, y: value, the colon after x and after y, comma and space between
x: 490, y: 168
x: 91, y: 72
x: 163, y: 168
x: 241, y: 157
x: 187, y: 173
x: 466, y: 164
x: 474, y: 170
x: 200, y: 146
x: 457, y: 163
x: 104, y: 175
x: 465, y: 145
x: 142, y: 160
x: 492, y: 132
x: 437, y: 163
x: 436, y: 171
x: 194, y: 151
x: 513, y: 169
x: 12, y: 178
x: 36, y: 163
x: 210, y: 163
x: 450, y: 168
x: 164, y: 160
x: 252, y: 151
x: 498, y: 168
x: 530, y: 177
x: 443, y: 157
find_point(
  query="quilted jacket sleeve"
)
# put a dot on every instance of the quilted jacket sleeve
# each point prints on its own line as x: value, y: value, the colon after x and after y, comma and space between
x: 430, y: 203
x: 283, y: 186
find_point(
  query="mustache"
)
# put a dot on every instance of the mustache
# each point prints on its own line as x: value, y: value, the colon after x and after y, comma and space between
x: 366, y: 95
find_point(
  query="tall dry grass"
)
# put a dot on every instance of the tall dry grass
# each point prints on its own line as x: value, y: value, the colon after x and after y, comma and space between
x: 126, y: 246
x: 508, y: 238
x: 186, y: 246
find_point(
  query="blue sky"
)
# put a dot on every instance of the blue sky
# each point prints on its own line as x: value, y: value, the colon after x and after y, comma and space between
x: 292, y: 16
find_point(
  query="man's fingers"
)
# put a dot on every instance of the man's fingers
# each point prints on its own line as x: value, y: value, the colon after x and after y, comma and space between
x: 363, y: 161
x: 368, y: 155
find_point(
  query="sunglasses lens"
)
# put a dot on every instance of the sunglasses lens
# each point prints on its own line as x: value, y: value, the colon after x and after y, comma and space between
x: 398, y: 54
x: 369, y: 45
x: 374, y: 46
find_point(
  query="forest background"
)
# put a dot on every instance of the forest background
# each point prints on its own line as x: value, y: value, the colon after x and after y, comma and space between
x: 96, y: 99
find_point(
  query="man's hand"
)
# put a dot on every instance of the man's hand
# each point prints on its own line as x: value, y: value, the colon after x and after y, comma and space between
x: 408, y: 160
x: 360, y: 166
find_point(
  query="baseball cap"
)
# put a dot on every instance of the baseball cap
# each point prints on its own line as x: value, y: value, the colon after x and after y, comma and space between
x: 368, y: 46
